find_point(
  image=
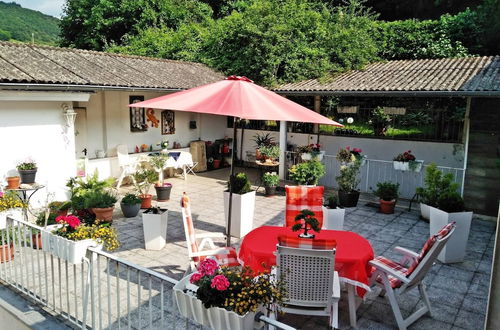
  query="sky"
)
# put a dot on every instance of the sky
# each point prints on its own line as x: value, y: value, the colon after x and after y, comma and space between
x: 49, y: 7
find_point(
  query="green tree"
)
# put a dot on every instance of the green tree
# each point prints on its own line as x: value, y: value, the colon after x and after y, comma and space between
x: 5, y: 35
x: 96, y: 24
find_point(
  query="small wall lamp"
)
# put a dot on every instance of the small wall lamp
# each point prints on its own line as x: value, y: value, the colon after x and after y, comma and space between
x: 69, y: 115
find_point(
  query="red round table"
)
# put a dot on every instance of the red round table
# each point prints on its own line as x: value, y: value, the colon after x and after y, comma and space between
x: 351, y: 259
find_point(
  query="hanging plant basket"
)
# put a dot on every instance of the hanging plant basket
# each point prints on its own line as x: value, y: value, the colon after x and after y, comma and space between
x: 412, y: 165
x: 214, y: 317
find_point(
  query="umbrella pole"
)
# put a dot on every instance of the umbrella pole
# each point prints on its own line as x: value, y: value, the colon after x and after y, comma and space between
x: 231, y: 175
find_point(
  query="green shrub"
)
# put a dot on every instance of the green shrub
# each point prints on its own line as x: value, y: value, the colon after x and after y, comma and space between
x: 450, y: 201
x: 239, y: 184
x: 144, y: 178
x: 307, y: 173
x: 387, y: 191
x: 131, y: 199
x: 436, y: 184
x: 331, y: 201
x: 271, y: 151
x: 348, y: 179
x: 270, y: 179
x: 100, y: 199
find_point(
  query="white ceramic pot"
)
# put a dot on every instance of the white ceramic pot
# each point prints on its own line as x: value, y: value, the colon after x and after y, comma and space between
x: 454, y: 250
x: 16, y: 214
x: 306, y: 156
x: 155, y: 229
x: 241, y: 214
x: 333, y: 218
x: 216, y: 318
x: 425, y: 211
x: 415, y: 166
x: 71, y: 251
x: 401, y: 166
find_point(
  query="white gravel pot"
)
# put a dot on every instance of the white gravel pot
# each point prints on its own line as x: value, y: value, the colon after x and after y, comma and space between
x: 16, y: 214
x: 71, y: 251
x: 454, y: 250
x: 333, y: 218
x: 425, y: 211
x: 155, y: 229
x: 216, y: 318
x: 241, y: 213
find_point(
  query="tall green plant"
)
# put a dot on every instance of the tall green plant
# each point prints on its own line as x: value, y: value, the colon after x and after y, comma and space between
x: 307, y: 173
x: 239, y: 184
x: 436, y: 184
x: 144, y: 178
x: 348, y: 179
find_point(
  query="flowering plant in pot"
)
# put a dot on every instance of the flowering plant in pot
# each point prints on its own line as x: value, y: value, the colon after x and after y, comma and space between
x: 388, y: 194
x: 333, y: 213
x: 311, y: 151
x: 144, y: 179
x: 307, y: 173
x: 270, y: 153
x: 270, y: 181
x: 348, y: 181
x: 102, y: 203
x: 130, y: 205
x: 162, y: 189
x: 27, y: 170
x: 348, y: 155
x: 227, y: 298
x: 262, y: 140
x: 406, y: 161
x: 306, y: 221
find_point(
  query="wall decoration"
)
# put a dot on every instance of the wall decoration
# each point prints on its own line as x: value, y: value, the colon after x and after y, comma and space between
x: 137, y: 115
x: 150, y: 113
x: 167, y: 122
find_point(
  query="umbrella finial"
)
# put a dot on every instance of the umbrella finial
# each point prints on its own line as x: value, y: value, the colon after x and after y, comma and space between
x: 243, y: 78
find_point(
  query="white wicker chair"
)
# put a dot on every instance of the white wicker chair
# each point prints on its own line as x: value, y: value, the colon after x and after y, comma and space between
x: 396, y: 278
x: 127, y: 166
x: 313, y: 285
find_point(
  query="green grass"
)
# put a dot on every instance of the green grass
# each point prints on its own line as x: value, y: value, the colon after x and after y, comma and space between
x: 367, y: 130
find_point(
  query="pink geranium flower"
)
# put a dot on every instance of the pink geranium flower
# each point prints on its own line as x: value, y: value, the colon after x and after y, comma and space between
x: 71, y: 220
x: 208, y: 267
x: 195, y: 278
x: 220, y: 283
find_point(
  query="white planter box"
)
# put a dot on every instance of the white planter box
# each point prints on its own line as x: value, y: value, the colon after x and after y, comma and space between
x: 214, y: 317
x: 308, y: 156
x: 71, y: 251
x: 454, y: 250
x: 425, y: 211
x: 241, y: 213
x: 333, y: 218
x: 155, y: 230
x: 16, y: 214
x: 405, y: 166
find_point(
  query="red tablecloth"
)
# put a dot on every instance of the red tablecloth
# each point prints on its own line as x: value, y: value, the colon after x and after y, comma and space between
x: 351, y: 259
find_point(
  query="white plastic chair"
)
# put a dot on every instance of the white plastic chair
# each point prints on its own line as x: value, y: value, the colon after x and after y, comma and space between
x: 127, y: 166
x: 312, y: 284
x: 397, y: 278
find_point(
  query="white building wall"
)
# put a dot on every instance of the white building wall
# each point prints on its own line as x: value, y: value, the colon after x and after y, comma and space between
x: 37, y: 130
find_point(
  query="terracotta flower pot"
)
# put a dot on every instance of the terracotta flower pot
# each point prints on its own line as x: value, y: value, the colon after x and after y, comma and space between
x: 62, y: 213
x: 13, y: 182
x: 37, y: 241
x: 145, y: 201
x: 6, y: 253
x: 105, y: 213
x: 258, y: 156
x: 216, y: 163
x: 387, y: 207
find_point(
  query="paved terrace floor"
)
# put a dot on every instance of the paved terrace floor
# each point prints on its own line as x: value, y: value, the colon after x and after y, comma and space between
x: 458, y: 292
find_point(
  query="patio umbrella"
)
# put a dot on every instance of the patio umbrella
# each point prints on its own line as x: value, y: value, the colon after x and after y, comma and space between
x: 240, y: 98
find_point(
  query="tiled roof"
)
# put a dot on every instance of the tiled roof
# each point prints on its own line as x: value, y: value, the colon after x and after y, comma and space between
x: 455, y: 75
x: 33, y: 64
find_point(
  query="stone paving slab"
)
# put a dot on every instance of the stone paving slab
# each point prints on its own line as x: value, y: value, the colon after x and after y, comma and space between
x: 458, y: 292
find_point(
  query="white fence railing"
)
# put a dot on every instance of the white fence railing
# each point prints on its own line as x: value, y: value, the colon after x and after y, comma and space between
x: 374, y: 171
x: 104, y: 292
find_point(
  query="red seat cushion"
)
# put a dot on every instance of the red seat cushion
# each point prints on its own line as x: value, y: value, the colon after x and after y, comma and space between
x: 229, y: 259
x: 395, y: 282
x: 306, y: 243
x: 299, y: 198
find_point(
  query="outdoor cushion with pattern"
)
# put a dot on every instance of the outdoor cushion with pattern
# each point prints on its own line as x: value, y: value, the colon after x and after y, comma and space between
x: 306, y: 243
x: 299, y: 198
x: 229, y: 258
x: 393, y: 265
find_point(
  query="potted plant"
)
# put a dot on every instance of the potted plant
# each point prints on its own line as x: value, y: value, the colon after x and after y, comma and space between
x: 380, y: 121
x: 348, y: 182
x: 69, y: 239
x: 7, y: 239
x: 270, y: 181
x: 388, y: 194
x: 13, y: 182
x: 333, y: 213
x: 306, y: 221
x: 307, y: 173
x: 154, y: 225
x: 162, y: 188
x: 27, y: 170
x: 270, y: 153
x: 130, y: 205
x: 406, y: 161
x: 262, y: 140
x: 435, y: 184
x: 243, y: 205
x: 102, y: 203
x: 144, y: 178
x: 348, y: 156
x: 310, y: 152
x: 10, y: 206
x: 43, y: 219
x: 227, y: 298
x: 60, y: 208
x: 163, y: 146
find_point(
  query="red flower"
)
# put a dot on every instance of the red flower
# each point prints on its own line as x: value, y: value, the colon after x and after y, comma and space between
x: 220, y: 283
x: 71, y: 220
x: 195, y: 278
x: 208, y: 267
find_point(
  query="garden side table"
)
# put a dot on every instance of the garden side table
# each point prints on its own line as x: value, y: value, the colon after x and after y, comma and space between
x: 25, y: 192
